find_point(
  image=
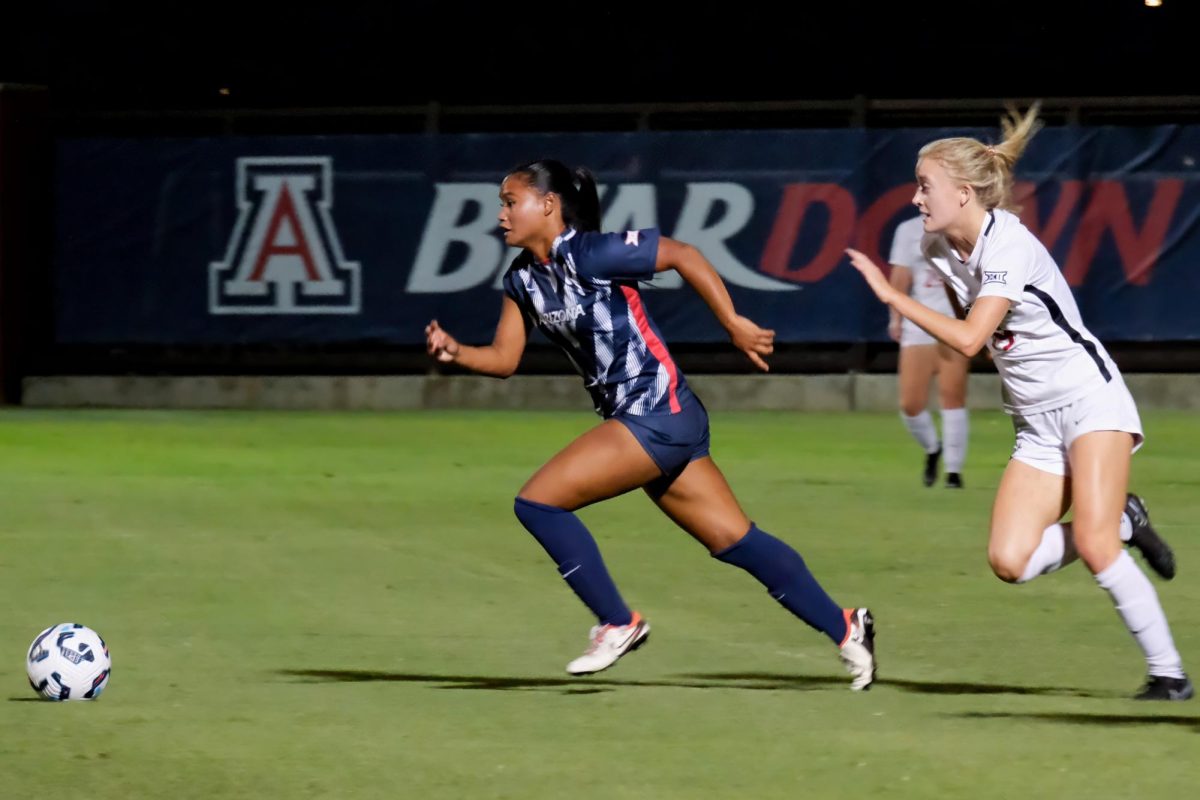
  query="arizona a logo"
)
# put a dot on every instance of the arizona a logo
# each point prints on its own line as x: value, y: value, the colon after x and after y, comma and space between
x: 284, y: 256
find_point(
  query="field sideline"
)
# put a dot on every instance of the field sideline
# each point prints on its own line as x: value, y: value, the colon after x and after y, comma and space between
x: 342, y: 605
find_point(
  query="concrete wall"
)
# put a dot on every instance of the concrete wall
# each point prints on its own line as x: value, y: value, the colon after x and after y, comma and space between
x: 842, y: 392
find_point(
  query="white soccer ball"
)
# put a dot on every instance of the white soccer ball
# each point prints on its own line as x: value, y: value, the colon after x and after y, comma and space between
x: 68, y: 662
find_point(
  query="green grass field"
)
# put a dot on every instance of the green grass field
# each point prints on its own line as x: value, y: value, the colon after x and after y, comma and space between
x: 343, y: 606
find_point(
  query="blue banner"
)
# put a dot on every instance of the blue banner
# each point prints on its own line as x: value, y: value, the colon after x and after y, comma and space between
x: 364, y: 239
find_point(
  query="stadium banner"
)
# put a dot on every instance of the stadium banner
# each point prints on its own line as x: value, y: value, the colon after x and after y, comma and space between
x: 348, y: 239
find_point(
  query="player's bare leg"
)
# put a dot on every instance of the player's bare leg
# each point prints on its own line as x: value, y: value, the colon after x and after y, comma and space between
x: 917, y: 366
x: 700, y: 501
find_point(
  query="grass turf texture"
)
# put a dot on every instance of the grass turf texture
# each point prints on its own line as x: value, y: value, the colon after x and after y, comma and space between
x: 342, y: 605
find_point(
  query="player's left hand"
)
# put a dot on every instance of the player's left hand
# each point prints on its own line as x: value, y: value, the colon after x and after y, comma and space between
x: 752, y: 340
x: 875, y: 278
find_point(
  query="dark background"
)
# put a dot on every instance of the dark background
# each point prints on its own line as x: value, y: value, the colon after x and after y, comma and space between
x: 217, y: 68
x: 109, y: 55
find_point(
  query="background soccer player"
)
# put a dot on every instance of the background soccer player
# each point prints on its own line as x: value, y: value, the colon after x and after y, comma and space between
x: 922, y: 357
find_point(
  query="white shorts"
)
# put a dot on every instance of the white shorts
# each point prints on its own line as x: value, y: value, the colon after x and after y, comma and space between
x: 1044, y: 439
x: 911, y: 335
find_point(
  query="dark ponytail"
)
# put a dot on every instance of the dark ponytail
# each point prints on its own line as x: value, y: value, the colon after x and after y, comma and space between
x: 587, y: 197
x: 580, y: 198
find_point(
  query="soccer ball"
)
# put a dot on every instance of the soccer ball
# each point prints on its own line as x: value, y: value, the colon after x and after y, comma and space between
x: 68, y: 662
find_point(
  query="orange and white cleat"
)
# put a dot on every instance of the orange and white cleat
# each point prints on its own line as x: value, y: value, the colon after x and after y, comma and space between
x: 609, y: 643
x: 858, y: 650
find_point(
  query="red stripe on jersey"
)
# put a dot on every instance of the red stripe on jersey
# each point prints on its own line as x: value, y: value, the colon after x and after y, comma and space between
x: 657, y: 348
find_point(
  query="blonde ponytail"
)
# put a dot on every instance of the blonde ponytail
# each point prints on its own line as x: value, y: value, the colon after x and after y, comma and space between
x: 988, y: 169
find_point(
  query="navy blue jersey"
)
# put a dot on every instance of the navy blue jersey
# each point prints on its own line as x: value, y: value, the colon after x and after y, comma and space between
x: 585, y: 300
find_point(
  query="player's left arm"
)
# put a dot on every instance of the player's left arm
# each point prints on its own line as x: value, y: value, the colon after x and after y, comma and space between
x: 953, y: 298
x: 689, y: 262
x: 967, y: 336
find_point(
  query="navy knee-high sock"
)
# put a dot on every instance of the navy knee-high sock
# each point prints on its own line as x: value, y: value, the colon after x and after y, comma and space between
x: 568, y: 542
x: 781, y: 569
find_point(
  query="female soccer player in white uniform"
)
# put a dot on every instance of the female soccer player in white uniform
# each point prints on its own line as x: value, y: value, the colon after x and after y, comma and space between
x: 1076, y: 423
x: 922, y: 356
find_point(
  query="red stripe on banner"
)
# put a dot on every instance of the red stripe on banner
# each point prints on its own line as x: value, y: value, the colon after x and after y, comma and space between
x: 653, y: 342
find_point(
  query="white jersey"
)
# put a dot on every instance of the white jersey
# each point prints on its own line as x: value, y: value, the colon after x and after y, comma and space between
x: 928, y: 288
x: 1045, y: 355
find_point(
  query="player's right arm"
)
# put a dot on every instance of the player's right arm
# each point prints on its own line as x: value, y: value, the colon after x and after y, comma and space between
x: 967, y: 336
x: 499, y: 359
x: 902, y: 279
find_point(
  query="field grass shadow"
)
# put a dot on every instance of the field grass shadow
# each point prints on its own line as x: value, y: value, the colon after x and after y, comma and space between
x: 903, y: 684
x: 744, y: 681
x: 567, y: 685
x: 1103, y: 720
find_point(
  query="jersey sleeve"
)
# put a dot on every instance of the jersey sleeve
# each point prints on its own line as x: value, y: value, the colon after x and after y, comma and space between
x: 629, y: 255
x: 906, y: 245
x: 510, y: 285
x: 1005, y: 271
x: 516, y: 292
x: 510, y: 282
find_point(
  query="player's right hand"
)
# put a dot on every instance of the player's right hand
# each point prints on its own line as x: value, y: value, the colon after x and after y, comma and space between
x: 894, y: 328
x: 440, y: 344
x: 875, y: 278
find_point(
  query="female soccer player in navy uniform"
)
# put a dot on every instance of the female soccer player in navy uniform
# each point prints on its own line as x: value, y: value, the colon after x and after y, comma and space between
x: 1076, y: 423
x: 578, y: 286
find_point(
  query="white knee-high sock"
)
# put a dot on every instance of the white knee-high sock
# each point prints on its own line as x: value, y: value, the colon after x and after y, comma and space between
x: 1126, y: 527
x: 1057, y: 549
x: 955, y: 427
x: 921, y: 428
x: 1137, y: 603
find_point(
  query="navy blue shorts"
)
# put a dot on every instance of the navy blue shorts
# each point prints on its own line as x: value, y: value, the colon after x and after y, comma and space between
x: 672, y: 440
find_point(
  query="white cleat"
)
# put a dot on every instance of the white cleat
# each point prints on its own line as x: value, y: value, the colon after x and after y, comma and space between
x: 609, y: 643
x: 858, y: 651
